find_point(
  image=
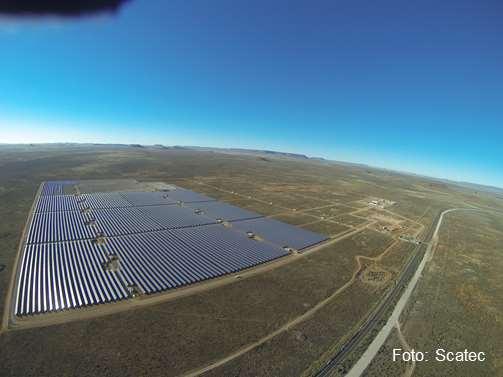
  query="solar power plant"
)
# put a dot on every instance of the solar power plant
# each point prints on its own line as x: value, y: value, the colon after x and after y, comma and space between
x: 279, y: 233
x: 89, y: 249
x: 66, y: 275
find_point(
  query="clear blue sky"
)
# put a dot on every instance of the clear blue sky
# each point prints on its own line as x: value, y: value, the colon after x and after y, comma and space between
x: 409, y: 85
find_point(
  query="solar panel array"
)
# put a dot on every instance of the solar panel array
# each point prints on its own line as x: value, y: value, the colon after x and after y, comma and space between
x: 148, y: 198
x: 102, y: 247
x: 280, y: 233
x: 231, y: 250
x: 55, y: 187
x: 223, y: 211
x: 173, y: 217
x: 59, y: 276
x: 122, y: 221
x: 56, y: 203
x: 104, y: 200
x: 169, y: 259
x: 59, y: 226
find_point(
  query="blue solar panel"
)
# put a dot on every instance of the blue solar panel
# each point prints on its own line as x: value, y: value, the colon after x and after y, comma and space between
x: 158, y: 246
x: 232, y: 250
x: 160, y: 261
x: 55, y: 187
x: 219, y: 210
x: 54, y: 203
x: 122, y: 221
x: 187, y: 196
x: 174, y: 216
x: 169, y: 259
x: 75, y: 225
x: 104, y: 200
x: 279, y: 233
x: 65, y: 275
x: 59, y: 226
x: 148, y: 198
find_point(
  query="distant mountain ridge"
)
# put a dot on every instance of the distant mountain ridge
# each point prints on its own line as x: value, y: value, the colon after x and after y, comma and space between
x: 271, y: 153
x: 477, y: 187
x: 253, y: 151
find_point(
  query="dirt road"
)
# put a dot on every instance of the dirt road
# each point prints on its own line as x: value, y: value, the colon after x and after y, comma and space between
x: 381, y: 337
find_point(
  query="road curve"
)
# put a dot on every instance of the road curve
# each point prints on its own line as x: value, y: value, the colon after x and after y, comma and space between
x: 367, y: 357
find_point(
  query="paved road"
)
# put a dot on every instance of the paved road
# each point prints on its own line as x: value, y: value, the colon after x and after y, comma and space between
x: 411, y: 274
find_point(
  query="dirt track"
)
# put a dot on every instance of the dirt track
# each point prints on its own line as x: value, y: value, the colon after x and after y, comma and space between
x: 383, y: 334
x: 410, y: 368
x: 296, y: 320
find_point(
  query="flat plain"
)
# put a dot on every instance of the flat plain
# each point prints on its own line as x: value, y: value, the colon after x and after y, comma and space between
x: 348, y: 275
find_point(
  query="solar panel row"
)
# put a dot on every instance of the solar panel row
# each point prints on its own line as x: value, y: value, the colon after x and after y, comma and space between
x: 99, y: 200
x: 65, y: 275
x: 59, y: 202
x: 122, y: 221
x: 71, y: 225
x: 172, y: 217
x: 55, y: 187
x: 231, y: 249
x: 56, y: 203
x: 279, y: 233
x: 226, y: 212
x: 59, y: 226
x: 70, y: 275
x: 77, y: 225
x: 147, y: 198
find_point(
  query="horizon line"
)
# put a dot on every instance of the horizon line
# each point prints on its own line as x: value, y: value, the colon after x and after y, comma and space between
x: 309, y: 157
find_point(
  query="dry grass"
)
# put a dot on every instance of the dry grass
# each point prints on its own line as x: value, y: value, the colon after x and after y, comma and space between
x: 177, y: 336
x: 327, y: 228
x: 292, y: 353
x: 296, y: 218
x: 383, y: 364
x: 457, y: 303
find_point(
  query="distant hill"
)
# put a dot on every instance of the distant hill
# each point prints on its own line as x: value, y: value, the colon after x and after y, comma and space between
x: 258, y: 152
x: 477, y: 187
x: 265, y: 154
